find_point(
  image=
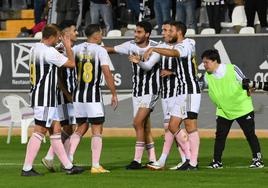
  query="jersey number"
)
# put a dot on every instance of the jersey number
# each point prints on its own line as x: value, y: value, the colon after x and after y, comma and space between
x: 32, y: 74
x: 87, y: 72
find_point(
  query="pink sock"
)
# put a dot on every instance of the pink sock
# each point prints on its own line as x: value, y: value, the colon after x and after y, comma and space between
x: 33, y: 147
x: 50, y: 154
x: 182, y: 139
x: 139, y: 151
x: 169, y: 138
x: 74, y: 141
x: 151, y: 152
x: 96, y: 147
x: 194, y: 140
x: 57, y: 145
x: 67, y: 145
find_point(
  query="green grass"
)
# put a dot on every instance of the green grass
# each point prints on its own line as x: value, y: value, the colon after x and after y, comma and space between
x: 118, y: 152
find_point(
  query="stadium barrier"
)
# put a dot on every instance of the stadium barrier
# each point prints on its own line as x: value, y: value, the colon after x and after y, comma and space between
x: 249, y: 52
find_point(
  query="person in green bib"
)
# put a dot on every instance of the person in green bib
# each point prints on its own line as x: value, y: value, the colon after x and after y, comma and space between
x: 224, y: 82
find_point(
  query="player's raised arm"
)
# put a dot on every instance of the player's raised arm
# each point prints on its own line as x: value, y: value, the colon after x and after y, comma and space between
x: 161, y: 51
x: 145, y: 65
x: 70, y: 63
x: 109, y: 49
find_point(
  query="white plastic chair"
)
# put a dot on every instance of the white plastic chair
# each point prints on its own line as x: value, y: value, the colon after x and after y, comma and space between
x: 131, y: 26
x: 208, y: 31
x: 190, y: 32
x: 114, y: 33
x: 129, y: 33
x: 247, y: 30
x: 38, y: 35
x: 12, y: 102
x: 239, y: 16
x: 154, y: 32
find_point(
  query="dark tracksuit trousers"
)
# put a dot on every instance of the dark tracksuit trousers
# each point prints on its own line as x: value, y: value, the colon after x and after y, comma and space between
x: 246, y: 123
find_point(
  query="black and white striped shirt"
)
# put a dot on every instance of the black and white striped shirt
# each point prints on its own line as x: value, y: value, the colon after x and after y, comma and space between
x: 89, y: 58
x: 68, y: 81
x: 187, y: 68
x: 44, y: 63
x: 144, y: 82
x: 68, y: 78
x: 168, y: 84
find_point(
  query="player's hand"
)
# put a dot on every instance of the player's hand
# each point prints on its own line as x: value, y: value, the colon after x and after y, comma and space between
x: 69, y: 97
x: 66, y: 39
x: 147, y: 54
x: 114, y: 102
x: 134, y: 58
x: 250, y: 91
x: 164, y: 73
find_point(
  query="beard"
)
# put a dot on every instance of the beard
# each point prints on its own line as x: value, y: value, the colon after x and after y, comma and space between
x: 173, y: 40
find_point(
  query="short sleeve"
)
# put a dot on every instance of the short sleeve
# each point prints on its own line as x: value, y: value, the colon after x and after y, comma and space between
x: 104, y: 57
x: 181, y: 48
x: 123, y: 48
x: 56, y: 58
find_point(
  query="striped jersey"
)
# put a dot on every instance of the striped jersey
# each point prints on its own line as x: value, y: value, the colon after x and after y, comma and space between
x: 187, y: 68
x: 144, y: 82
x: 168, y: 84
x: 68, y: 78
x: 44, y: 63
x: 89, y: 58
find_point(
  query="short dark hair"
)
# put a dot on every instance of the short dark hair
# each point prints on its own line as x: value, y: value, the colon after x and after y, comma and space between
x: 50, y: 30
x: 146, y: 26
x: 212, y: 54
x: 91, y: 29
x: 180, y: 26
x: 66, y: 23
x: 167, y: 22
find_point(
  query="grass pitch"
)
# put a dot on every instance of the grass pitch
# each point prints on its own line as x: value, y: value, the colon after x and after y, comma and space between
x: 118, y: 152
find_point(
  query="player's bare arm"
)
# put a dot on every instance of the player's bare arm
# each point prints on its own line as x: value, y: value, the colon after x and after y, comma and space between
x: 110, y: 50
x: 161, y: 51
x: 70, y: 63
x: 110, y: 84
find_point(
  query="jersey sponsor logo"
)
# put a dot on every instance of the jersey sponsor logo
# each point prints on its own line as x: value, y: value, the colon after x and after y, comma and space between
x: 262, y: 76
x: 222, y: 52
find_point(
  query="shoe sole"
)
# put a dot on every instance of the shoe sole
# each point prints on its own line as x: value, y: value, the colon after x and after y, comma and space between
x: 255, y: 167
x: 47, y: 166
x: 155, y: 168
x: 209, y: 167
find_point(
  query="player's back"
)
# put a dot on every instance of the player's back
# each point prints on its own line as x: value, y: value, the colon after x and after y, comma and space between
x: 43, y: 75
x: 89, y: 57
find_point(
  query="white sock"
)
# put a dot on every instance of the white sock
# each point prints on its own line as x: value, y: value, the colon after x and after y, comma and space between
x: 162, y: 159
x: 96, y: 165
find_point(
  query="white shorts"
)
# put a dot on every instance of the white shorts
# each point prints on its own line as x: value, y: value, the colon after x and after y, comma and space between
x: 167, y: 105
x: 44, y: 115
x: 145, y: 101
x: 89, y: 111
x: 66, y: 111
x: 193, y: 105
x: 179, y: 107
